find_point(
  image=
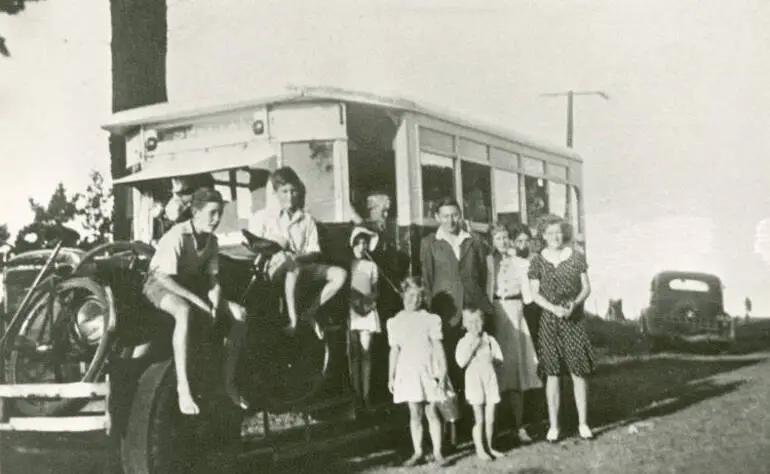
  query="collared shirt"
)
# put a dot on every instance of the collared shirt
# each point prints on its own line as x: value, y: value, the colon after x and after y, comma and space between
x: 454, y: 241
x: 296, y: 232
x: 177, y: 253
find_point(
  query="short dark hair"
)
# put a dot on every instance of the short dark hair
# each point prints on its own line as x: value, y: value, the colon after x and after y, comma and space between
x: 203, y: 196
x: 447, y: 201
x: 286, y: 175
x: 519, y: 229
x: 362, y: 236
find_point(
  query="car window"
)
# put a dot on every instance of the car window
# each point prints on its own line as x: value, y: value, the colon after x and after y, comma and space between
x: 686, y: 284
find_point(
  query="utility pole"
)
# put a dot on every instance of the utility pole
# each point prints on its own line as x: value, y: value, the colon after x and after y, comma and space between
x: 570, y: 108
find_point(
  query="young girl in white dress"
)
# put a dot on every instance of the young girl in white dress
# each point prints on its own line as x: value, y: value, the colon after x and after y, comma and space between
x: 478, y: 353
x: 508, y: 288
x: 363, y: 321
x: 417, y: 367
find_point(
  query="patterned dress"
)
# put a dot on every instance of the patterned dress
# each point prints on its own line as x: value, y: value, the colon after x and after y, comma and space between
x: 563, y: 344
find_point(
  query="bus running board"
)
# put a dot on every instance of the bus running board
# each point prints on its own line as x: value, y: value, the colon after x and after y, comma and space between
x: 56, y: 424
x: 96, y: 393
x: 76, y: 390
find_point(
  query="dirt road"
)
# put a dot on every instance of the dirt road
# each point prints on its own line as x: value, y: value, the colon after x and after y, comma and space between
x: 662, y: 414
x: 666, y: 414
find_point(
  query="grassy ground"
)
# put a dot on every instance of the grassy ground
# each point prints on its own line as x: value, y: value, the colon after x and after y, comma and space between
x: 655, y: 413
x: 670, y: 412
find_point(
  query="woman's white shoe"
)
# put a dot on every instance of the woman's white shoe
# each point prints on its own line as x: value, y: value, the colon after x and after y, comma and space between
x: 585, y: 432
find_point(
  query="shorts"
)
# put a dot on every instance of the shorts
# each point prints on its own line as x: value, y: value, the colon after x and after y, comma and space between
x: 312, y: 272
x: 154, y: 290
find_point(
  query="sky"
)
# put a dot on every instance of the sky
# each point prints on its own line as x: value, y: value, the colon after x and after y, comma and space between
x: 676, y: 165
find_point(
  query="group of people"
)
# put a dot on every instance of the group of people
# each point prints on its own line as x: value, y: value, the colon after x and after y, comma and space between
x: 461, y: 327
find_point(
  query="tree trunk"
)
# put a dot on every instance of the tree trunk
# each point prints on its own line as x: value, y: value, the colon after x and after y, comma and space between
x: 139, y: 47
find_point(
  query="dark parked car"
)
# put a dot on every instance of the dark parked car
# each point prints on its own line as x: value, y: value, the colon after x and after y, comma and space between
x: 686, y: 308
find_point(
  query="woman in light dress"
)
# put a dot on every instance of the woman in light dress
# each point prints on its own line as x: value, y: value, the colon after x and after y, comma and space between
x: 508, y: 288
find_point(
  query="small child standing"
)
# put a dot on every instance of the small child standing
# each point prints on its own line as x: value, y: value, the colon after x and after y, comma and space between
x: 417, y: 367
x: 477, y: 352
x: 364, y: 321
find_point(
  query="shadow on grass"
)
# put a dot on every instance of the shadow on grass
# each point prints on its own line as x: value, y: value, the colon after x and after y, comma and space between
x: 639, y: 389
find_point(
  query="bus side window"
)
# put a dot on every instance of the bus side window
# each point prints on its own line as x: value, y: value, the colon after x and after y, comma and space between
x: 506, y: 197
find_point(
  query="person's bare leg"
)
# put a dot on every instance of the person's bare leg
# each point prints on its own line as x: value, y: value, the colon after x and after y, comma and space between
x: 366, y: 365
x: 233, y: 345
x: 355, y: 363
x: 290, y: 291
x: 580, y: 390
x: 478, y: 432
x: 416, y: 411
x: 553, y: 400
x: 489, y: 426
x: 335, y: 278
x: 181, y: 311
x: 434, y: 428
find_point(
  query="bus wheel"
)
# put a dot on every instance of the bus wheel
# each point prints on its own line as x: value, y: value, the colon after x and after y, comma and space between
x: 160, y: 440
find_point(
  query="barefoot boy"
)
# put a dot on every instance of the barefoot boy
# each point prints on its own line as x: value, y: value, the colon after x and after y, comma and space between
x: 183, y: 278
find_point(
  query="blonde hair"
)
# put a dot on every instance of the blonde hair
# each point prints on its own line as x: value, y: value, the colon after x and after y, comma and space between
x: 471, y: 313
x: 411, y: 283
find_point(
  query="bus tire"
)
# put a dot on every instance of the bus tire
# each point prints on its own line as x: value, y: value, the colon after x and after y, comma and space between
x: 158, y: 439
x: 148, y: 444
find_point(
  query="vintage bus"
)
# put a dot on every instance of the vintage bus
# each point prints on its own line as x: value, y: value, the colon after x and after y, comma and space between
x: 345, y: 144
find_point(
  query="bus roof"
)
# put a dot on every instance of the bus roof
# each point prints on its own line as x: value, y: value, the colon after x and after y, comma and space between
x: 122, y: 122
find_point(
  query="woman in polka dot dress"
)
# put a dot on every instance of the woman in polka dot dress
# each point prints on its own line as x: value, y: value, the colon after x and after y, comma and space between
x: 559, y: 283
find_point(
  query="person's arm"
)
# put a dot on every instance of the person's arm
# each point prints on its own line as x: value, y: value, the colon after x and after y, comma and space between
x: 437, y: 348
x: 311, y: 252
x: 481, y: 257
x: 585, y: 289
x: 392, y: 361
x: 497, y: 353
x: 490, y: 277
x: 585, y: 285
x: 542, y: 302
x: 395, y: 350
x: 171, y: 285
x: 375, y: 282
x: 426, y: 262
x: 212, y: 267
x: 165, y: 266
x: 465, y: 350
x: 526, y: 288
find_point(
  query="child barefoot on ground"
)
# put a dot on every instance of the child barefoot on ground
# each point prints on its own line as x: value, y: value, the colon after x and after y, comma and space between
x: 364, y: 320
x: 477, y: 352
x: 184, y: 268
x: 417, y: 367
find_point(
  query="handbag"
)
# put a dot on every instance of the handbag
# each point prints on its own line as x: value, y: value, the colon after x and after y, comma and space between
x: 449, y: 407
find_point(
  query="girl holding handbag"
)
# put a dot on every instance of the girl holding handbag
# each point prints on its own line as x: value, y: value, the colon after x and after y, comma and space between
x: 416, y: 365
